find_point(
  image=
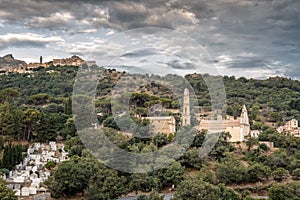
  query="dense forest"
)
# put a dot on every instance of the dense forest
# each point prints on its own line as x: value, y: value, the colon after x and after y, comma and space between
x: 38, y: 108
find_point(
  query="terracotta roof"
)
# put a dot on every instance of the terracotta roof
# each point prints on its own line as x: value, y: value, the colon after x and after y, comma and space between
x: 218, y: 124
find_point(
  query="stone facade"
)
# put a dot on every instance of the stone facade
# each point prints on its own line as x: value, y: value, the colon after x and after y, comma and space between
x: 164, y: 124
x: 238, y: 128
x: 32, y: 66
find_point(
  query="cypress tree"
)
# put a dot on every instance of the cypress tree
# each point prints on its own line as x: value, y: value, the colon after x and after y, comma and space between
x: 68, y: 106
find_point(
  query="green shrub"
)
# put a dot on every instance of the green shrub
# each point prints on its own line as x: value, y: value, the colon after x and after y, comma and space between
x: 50, y: 165
x: 279, y: 174
x: 290, y: 191
x: 296, y: 174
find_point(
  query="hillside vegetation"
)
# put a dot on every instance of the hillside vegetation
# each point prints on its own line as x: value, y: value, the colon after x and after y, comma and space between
x: 38, y: 107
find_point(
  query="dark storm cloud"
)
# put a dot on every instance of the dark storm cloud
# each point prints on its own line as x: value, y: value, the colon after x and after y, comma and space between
x: 36, y: 14
x: 17, y: 11
x: 26, y: 40
x: 21, y: 44
x: 292, y: 71
x: 53, y: 22
x: 126, y: 14
x: 129, y: 14
x: 248, y: 63
x: 139, y: 53
x: 200, y: 8
x: 268, y: 28
x: 176, y: 64
x: 120, y: 14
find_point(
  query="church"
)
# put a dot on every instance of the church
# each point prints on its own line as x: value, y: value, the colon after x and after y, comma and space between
x: 238, y: 128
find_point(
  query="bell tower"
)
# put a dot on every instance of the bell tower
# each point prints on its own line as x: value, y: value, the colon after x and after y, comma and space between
x: 186, y: 117
x: 244, y: 124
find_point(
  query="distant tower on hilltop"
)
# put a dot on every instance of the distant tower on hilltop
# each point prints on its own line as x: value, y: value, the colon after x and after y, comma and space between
x: 41, y: 59
x: 186, y: 115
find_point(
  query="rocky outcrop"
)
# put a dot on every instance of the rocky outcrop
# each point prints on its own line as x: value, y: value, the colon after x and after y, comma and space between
x: 8, y: 62
x: 8, y: 57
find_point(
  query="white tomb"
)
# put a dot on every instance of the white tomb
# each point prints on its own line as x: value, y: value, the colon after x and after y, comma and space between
x: 32, y: 190
x: 19, y: 179
x: 25, y: 191
x: 53, y: 146
x: 34, y: 169
x: 36, y: 182
x: 35, y: 185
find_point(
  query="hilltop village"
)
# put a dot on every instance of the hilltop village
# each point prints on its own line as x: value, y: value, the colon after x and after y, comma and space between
x: 9, y: 64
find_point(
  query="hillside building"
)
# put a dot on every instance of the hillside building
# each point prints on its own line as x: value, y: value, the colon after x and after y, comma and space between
x: 238, y: 128
x: 255, y: 133
x: 290, y: 128
x: 162, y: 124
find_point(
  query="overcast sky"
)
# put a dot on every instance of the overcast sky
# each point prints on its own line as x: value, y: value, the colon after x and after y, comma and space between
x: 252, y: 38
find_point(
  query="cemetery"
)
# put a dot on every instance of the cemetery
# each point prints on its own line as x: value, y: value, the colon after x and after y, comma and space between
x: 27, y: 178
